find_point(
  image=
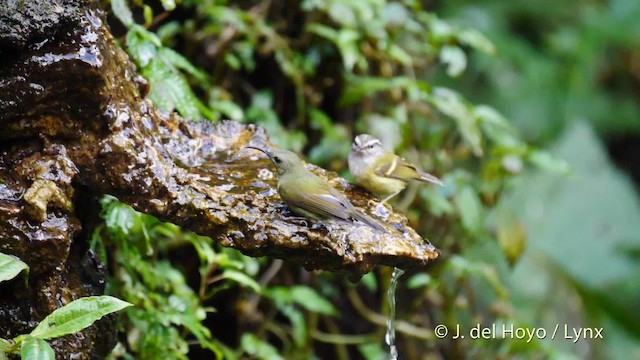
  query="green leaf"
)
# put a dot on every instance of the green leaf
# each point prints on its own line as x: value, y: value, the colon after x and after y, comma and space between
x: 546, y: 161
x: 298, y: 325
x: 451, y: 104
x: 476, y: 40
x: 168, y: 4
x: 361, y: 86
x: 36, y: 349
x: 148, y: 14
x: 10, y: 267
x: 594, y: 211
x: 170, y: 90
x: 142, y: 50
x: 400, y: 55
x: 438, y: 204
x: 280, y: 295
x: 419, y: 280
x: 4, y: 345
x: 370, y: 282
x: 77, y: 315
x: 229, y: 109
x: 242, y: 279
x: 373, y: 351
x: 252, y: 345
x: 470, y: 209
x: 309, y: 299
x: 455, y: 59
x: 496, y: 127
x: 342, y: 14
x: 122, y: 12
x: 179, y: 61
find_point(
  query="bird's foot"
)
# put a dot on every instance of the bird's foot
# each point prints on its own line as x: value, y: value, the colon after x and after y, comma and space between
x: 375, y: 204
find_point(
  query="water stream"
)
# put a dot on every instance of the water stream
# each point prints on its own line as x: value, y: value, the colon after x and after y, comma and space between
x: 390, y: 336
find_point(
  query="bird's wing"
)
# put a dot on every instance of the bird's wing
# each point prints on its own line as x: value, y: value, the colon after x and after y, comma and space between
x: 328, y: 202
x: 401, y: 169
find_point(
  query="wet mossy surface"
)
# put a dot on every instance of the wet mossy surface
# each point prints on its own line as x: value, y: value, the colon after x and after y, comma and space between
x: 74, y: 125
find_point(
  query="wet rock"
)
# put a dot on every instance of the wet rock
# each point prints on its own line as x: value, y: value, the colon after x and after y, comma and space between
x: 73, y: 116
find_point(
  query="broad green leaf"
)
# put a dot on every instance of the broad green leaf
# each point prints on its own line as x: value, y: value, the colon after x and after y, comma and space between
x: 298, y: 325
x: 395, y: 14
x: 261, y: 349
x: 477, y: 40
x: 10, y: 267
x: 228, y: 108
x: 419, y: 280
x: 400, y: 55
x: 438, y: 204
x: 309, y: 299
x: 324, y: 31
x: 342, y: 14
x: 452, y: 104
x: 179, y: 61
x: 148, y: 14
x: 168, y: 5
x: 546, y: 161
x: 141, y: 50
x: 455, y: 59
x: 594, y: 211
x: 369, y: 281
x: 4, y: 345
x: 77, y: 315
x: 122, y: 12
x: 36, y: 349
x: 242, y: 279
x: 170, y: 90
x: 512, y: 237
x: 578, y: 227
x: 119, y: 217
x: 361, y: 86
x: 280, y: 295
x: 470, y: 209
x: 496, y: 127
x: 373, y: 351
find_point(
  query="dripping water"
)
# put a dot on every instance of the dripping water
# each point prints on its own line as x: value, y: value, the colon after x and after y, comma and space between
x: 390, y: 337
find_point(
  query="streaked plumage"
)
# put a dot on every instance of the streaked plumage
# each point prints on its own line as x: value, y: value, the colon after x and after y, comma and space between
x: 382, y: 172
x: 310, y: 196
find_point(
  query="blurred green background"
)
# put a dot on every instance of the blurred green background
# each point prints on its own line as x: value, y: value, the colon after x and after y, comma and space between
x: 529, y: 111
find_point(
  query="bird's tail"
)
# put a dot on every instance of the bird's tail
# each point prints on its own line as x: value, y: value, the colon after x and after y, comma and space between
x: 369, y: 221
x: 429, y: 178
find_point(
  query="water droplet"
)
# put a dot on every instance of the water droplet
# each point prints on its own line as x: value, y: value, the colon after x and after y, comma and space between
x: 265, y: 174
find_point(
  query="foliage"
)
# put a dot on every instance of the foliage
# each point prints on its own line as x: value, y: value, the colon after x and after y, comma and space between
x: 316, y: 72
x: 69, y: 319
x: 560, y: 62
x: 11, y: 266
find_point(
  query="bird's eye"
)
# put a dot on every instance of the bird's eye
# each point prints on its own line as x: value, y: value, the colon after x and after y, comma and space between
x: 370, y: 146
x: 277, y: 160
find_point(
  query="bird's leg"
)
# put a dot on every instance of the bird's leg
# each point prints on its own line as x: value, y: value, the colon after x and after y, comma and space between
x: 384, y: 201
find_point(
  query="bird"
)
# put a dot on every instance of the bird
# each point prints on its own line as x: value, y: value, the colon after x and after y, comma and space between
x: 380, y: 171
x: 308, y: 195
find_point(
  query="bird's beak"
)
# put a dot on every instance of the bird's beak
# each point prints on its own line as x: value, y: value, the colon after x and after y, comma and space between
x: 259, y: 149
